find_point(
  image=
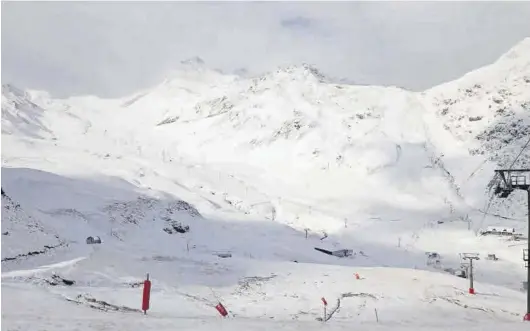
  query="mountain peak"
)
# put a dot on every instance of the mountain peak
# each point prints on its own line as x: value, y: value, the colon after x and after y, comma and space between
x: 194, y: 61
x: 301, y: 72
x: 304, y: 69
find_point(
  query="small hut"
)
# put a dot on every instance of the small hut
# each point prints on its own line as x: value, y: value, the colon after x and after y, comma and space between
x: 93, y: 240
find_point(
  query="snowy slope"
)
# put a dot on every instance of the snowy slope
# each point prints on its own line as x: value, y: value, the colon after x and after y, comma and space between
x: 23, y: 235
x: 21, y: 116
x: 291, y: 124
x: 266, y: 169
x: 288, y: 299
x: 489, y: 108
x: 488, y: 111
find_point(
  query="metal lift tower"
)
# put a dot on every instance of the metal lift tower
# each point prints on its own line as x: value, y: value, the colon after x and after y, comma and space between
x: 517, y: 179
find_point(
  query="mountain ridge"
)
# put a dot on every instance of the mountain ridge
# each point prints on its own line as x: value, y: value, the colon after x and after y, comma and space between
x: 296, y: 105
x: 293, y: 120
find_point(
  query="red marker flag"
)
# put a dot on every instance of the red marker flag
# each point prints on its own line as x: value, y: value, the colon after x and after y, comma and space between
x: 221, y: 309
x: 146, y: 295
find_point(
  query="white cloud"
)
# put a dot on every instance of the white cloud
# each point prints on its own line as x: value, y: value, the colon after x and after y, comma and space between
x: 115, y: 48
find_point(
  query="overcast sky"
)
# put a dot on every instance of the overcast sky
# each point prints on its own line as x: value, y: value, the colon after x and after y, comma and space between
x: 115, y: 48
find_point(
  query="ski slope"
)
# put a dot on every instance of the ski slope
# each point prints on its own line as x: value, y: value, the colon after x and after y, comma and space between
x: 288, y: 298
x: 265, y: 169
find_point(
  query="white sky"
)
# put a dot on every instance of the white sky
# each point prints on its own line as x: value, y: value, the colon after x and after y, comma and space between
x: 116, y: 48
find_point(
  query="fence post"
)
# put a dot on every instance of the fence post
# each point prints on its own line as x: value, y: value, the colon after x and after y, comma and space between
x: 325, y: 305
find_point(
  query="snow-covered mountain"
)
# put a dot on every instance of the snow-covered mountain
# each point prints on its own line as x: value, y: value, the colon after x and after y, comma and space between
x: 20, y: 115
x: 265, y: 169
x: 489, y: 108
